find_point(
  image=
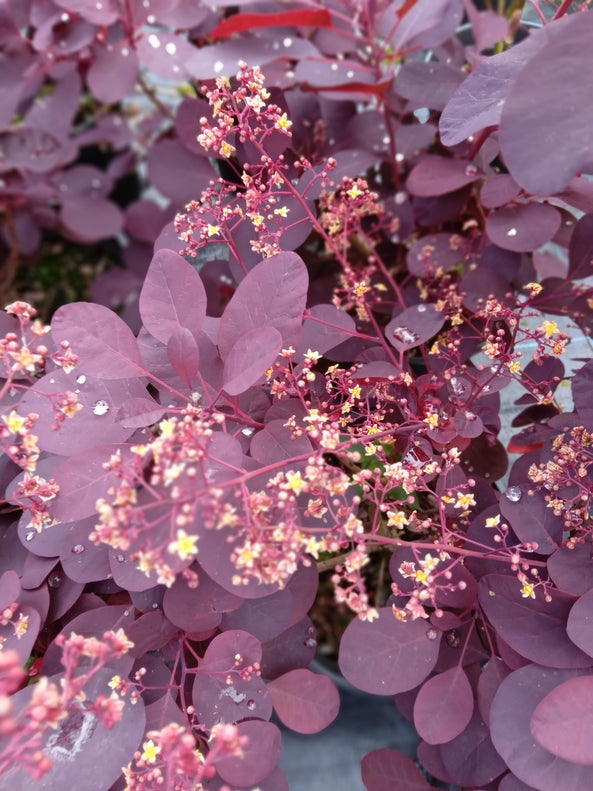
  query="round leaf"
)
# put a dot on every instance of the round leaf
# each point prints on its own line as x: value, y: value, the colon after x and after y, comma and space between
x: 249, y: 359
x: 523, y: 228
x: 304, y: 701
x: 563, y: 721
x: 444, y: 706
x: 390, y: 770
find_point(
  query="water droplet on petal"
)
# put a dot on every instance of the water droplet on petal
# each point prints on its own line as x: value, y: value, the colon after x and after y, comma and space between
x: 453, y: 638
x: 100, y: 408
x: 471, y: 170
x: 81, y: 379
x: 432, y: 634
x: 55, y: 580
x: 512, y: 232
x: 513, y: 493
x: 77, y: 549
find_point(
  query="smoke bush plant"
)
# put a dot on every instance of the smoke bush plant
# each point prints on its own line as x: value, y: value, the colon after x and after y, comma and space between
x: 322, y: 396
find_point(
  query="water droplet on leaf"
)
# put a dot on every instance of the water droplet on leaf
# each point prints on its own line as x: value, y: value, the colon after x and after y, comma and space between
x: 218, y: 67
x: 404, y: 335
x: 120, y: 558
x: 251, y: 705
x: 29, y: 536
x: 453, y: 638
x: 154, y: 41
x: 512, y: 232
x: 170, y: 48
x: 77, y: 549
x: 471, y: 170
x: 100, y: 408
x: 421, y: 308
x: 432, y: 634
x: 55, y: 579
x: 513, y: 493
x: 310, y: 642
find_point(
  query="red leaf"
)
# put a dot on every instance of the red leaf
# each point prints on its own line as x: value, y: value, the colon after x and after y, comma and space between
x: 240, y: 23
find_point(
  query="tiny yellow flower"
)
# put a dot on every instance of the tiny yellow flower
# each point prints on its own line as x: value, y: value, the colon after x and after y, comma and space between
x: 464, y: 501
x: 283, y: 123
x: 213, y: 229
x: 150, y: 751
x: 295, y: 482
x: 493, y: 521
x: 528, y: 591
x: 184, y: 545
x: 282, y: 211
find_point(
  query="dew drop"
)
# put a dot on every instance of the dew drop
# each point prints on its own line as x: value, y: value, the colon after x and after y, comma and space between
x: 310, y: 642
x: 386, y: 140
x: 100, y: 408
x: 125, y: 52
x: 99, y: 6
x: 401, y: 197
x: 251, y: 705
x: 453, y: 638
x: 29, y: 536
x: 471, y: 170
x: 247, y: 431
x: 432, y: 634
x: 126, y: 612
x: 421, y: 308
x: 155, y: 605
x: 350, y: 74
x: 334, y: 67
x: 65, y: 18
x: 470, y: 416
x: 170, y: 48
x: 154, y: 41
x: 55, y: 580
x: 399, y: 157
x: 120, y: 558
x: 145, y: 3
x: 77, y: 549
x: 218, y: 67
x: 96, y: 184
x: 81, y: 379
x: 287, y: 42
x: 52, y: 381
x: 275, y: 45
x: 512, y: 232
x: 513, y: 493
x: 151, y: 19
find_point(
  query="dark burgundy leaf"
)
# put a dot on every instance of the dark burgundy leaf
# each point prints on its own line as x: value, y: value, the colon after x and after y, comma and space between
x: 272, y: 294
x: 144, y: 220
x: 428, y: 84
x: 172, y: 297
x: 305, y: 702
x: 563, y: 720
x: 498, y: 189
x: 275, y: 442
x: 390, y: 770
x: 523, y: 228
x: 531, y: 519
x: 89, y: 219
x: 90, y: 565
x: 572, y: 569
x: 528, y: 109
x: 324, y: 327
x: 582, y: 384
x: 177, y: 173
x: 259, y: 758
x: 491, y: 677
x: 478, y: 102
x: 119, y: 57
x: 414, y: 326
x: 184, y: 354
x: 295, y: 647
x: 249, y: 358
x: 264, y: 618
x: 578, y: 627
x: 76, y: 741
x: 165, y: 53
x: 198, y: 609
x: 420, y: 25
x: 435, y: 175
x: 10, y: 588
x: 139, y: 412
x: 510, y: 717
x: 444, y: 706
x: 580, y: 253
x: 534, y: 628
x: 471, y: 759
x: 387, y: 656
x: 105, y: 345
x: 149, y: 633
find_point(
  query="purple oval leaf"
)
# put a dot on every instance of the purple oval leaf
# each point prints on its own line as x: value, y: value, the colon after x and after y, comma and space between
x: 387, y: 656
x: 250, y: 357
x: 390, y: 770
x: 305, y: 702
x: 172, y: 297
x: 523, y: 228
x: 562, y: 722
x: 444, y: 706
